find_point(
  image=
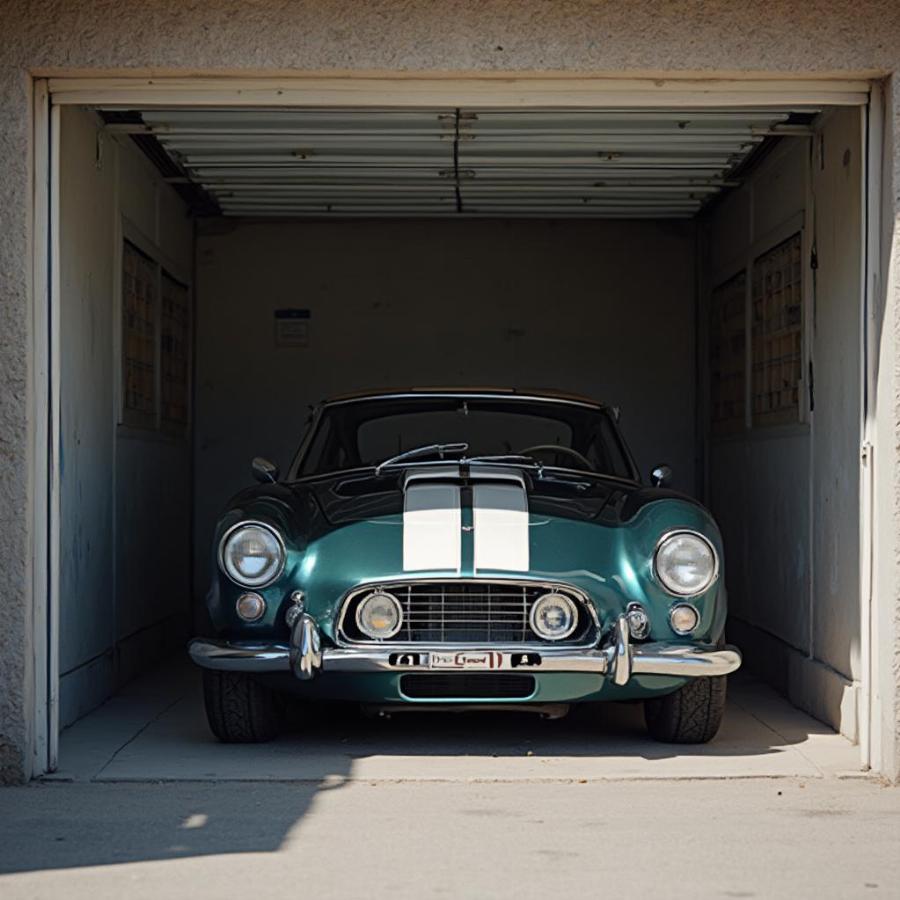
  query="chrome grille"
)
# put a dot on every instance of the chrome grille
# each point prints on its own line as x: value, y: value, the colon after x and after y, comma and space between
x: 465, y: 612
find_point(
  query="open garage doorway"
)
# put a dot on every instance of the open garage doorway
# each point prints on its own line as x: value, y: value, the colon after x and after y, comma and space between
x: 220, y: 265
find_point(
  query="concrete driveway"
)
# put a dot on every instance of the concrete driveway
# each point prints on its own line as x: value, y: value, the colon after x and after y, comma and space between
x: 817, y: 838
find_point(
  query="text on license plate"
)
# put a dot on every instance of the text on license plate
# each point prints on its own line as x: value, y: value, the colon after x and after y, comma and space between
x: 487, y: 659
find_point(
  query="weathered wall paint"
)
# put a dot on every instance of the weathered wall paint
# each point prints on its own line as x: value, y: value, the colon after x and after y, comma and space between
x: 124, y: 492
x: 87, y: 217
x: 599, y: 308
x: 787, y: 497
x: 579, y: 36
x: 837, y: 339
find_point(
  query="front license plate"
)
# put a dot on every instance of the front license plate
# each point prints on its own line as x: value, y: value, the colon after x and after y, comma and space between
x: 467, y: 659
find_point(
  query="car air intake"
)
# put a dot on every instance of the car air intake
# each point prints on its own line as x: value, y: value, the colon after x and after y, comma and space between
x: 468, y: 687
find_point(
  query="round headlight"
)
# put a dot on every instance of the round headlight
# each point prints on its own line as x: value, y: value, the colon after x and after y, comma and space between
x: 379, y: 615
x: 553, y: 617
x: 686, y: 564
x: 252, y: 555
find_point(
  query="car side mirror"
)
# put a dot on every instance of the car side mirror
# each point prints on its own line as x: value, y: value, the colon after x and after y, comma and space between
x: 661, y: 476
x: 264, y: 471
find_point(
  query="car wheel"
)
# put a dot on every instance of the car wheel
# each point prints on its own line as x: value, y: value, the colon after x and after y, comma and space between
x: 690, y: 715
x: 239, y: 709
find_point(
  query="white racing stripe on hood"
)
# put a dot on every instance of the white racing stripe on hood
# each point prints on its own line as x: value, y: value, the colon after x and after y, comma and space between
x: 500, y: 519
x: 432, y: 523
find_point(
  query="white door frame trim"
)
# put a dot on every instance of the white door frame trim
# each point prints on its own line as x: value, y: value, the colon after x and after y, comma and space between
x: 872, y: 660
x: 416, y: 90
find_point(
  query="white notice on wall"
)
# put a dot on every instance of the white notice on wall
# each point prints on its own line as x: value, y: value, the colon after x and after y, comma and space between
x: 292, y: 327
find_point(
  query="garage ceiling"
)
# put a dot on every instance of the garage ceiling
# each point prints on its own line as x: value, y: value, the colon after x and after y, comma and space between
x: 663, y: 163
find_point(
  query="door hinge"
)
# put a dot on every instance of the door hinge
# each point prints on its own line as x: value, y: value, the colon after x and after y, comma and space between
x: 865, y: 452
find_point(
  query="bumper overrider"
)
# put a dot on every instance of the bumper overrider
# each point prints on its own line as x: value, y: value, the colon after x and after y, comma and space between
x: 618, y: 659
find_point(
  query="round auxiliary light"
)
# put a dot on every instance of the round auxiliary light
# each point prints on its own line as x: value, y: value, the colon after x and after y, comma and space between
x: 252, y: 554
x: 683, y: 618
x: 553, y: 616
x: 686, y: 563
x: 250, y: 607
x: 379, y: 615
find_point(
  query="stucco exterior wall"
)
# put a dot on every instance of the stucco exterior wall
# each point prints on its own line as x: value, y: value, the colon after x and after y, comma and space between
x: 194, y: 36
x: 16, y: 671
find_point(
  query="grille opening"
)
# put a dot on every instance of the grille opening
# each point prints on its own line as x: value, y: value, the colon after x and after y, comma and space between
x: 467, y: 686
x: 461, y: 612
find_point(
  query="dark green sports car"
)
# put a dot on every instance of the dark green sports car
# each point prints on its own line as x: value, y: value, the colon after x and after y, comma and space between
x: 485, y: 548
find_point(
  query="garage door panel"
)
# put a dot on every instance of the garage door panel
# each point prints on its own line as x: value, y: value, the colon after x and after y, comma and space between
x: 457, y: 148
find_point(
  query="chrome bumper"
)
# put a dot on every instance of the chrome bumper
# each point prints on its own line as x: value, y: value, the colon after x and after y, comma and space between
x: 305, y: 657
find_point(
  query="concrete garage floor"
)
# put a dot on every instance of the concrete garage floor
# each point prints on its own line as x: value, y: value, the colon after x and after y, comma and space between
x: 490, y: 806
x: 155, y: 730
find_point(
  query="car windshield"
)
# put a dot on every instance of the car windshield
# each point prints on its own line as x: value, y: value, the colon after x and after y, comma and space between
x: 549, y: 433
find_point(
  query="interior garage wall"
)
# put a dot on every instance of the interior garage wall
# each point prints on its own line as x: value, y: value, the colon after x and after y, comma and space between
x: 124, y: 493
x: 604, y: 308
x: 787, y: 496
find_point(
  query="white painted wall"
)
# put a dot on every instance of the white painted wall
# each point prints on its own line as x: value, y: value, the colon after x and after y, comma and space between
x: 124, y: 493
x: 787, y: 497
x: 602, y: 308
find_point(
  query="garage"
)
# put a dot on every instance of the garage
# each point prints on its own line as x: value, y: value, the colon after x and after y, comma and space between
x: 223, y: 257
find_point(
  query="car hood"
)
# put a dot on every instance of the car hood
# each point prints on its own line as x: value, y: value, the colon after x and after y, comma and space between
x: 596, y: 534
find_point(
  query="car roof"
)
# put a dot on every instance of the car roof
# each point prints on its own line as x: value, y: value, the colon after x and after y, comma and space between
x: 464, y: 392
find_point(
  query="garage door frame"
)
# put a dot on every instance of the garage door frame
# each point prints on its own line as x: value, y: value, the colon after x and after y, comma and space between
x: 381, y: 90
x: 460, y: 90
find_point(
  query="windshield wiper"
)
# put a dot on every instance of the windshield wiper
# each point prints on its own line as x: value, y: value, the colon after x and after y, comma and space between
x: 440, y: 449
x: 509, y: 457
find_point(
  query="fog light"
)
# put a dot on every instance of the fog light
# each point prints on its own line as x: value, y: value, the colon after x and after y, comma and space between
x: 638, y: 621
x: 250, y: 607
x: 379, y: 615
x: 683, y: 618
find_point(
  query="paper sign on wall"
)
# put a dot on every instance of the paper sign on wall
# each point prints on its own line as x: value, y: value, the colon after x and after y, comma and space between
x: 292, y: 327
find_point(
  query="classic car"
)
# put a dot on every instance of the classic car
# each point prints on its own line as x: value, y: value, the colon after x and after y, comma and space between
x: 479, y: 548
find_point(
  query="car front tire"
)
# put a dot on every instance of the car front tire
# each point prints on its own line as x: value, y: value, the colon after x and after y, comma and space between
x: 690, y: 715
x: 239, y: 709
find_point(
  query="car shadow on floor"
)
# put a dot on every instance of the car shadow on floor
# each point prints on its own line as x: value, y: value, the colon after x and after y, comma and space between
x: 338, y: 739
x: 589, y: 730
